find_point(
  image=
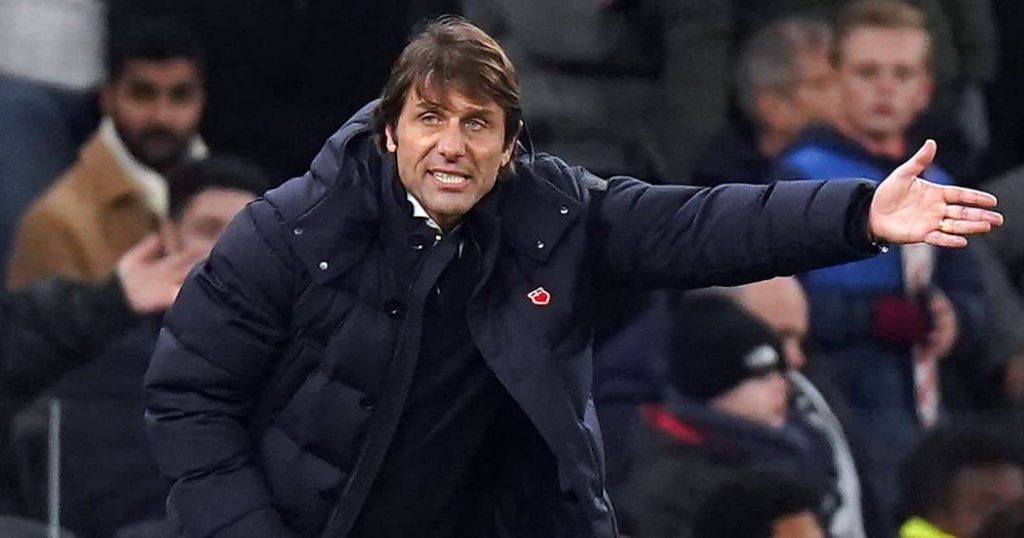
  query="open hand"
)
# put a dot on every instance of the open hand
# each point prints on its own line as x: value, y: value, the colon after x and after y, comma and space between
x: 908, y: 209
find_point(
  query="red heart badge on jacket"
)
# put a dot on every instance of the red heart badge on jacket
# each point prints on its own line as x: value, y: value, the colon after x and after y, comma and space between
x: 539, y: 296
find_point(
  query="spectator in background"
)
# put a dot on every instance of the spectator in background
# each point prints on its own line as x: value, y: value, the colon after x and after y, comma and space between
x: 116, y: 192
x: 48, y: 328
x: 760, y: 504
x: 958, y: 476
x: 886, y: 322
x: 780, y: 304
x: 104, y: 444
x: 784, y: 82
x: 723, y: 411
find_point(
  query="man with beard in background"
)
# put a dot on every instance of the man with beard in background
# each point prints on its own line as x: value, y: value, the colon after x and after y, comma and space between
x: 116, y: 193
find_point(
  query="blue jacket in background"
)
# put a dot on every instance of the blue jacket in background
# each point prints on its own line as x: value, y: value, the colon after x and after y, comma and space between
x: 874, y: 376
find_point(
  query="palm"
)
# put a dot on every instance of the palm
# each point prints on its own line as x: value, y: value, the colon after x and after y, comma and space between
x: 908, y: 209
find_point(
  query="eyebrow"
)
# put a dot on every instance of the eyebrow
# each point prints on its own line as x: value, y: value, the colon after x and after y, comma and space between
x: 472, y: 110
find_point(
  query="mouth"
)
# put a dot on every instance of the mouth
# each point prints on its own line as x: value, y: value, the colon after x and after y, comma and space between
x: 450, y: 179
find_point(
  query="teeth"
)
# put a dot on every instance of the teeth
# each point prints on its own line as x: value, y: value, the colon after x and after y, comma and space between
x: 449, y: 178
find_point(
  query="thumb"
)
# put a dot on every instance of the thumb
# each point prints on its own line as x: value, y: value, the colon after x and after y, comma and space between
x: 917, y: 164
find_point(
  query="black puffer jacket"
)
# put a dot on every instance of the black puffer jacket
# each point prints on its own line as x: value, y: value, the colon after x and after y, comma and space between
x: 282, y: 371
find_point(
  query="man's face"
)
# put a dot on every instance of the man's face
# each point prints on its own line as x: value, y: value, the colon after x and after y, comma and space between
x: 449, y: 152
x: 802, y: 525
x: 814, y: 96
x: 817, y: 94
x: 978, y: 492
x: 156, y: 107
x: 759, y: 399
x: 203, y: 220
x: 884, y: 80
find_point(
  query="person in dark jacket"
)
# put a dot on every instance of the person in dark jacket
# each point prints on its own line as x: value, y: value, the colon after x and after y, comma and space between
x: 723, y: 412
x: 49, y: 328
x: 784, y: 82
x: 103, y: 436
x: 398, y: 343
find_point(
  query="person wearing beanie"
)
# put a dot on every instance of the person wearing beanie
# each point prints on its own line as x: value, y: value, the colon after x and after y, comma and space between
x: 723, y: 413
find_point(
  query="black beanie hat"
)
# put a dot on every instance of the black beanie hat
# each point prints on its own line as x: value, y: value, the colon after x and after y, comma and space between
x: 716, y: 346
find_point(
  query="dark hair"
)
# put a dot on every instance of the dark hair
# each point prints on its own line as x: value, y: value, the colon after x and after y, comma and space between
x: 152, y: 40
x: 929, y: 471
x: 749, y: 505
x: 451, y: 52
x: 889, y: 14
x: 770, y: 61
x: 222, y: 172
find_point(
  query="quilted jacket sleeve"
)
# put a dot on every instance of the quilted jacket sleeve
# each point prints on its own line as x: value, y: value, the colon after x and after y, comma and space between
x: 672, y: 236
x: 219, y: 341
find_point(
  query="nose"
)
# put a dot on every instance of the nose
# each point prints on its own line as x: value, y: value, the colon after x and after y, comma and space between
x: 163, y: 111
x: 452, y: 142
x: 886, y: 83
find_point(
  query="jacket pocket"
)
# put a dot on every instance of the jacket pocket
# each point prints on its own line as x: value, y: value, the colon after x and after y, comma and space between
x: 304, y: 486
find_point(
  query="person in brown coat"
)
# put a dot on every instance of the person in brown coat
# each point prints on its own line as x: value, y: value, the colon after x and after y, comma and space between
x: 115, y: 193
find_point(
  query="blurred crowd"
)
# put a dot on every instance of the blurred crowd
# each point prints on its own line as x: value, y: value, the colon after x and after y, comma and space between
x: 875, y: 399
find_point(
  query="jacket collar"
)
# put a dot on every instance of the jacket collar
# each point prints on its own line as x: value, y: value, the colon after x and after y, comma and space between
x: 108, y: 181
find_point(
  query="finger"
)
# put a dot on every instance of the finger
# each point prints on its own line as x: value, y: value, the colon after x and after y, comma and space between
x: 148, y: 248
x: 187, y: 257
x: 965, y: 227
x: 941, y: 239
x: 959, y: 212
x: 973, y: 197
x: 917, y: 164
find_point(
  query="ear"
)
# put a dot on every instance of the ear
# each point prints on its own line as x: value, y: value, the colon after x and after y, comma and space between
x: 510, y: 148
x: 389, y: 139
x: 506, y: 155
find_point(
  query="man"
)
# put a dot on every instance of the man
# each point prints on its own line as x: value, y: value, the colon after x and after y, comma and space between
x: 398, y: 343
x: 723, y: 411
x: 784, y: 82
x: 884, y: 322
x: 781, y: 304
x: 773, y: 505
x: 116, y: 192
x: 959, y: 476
x: 104, y: 445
